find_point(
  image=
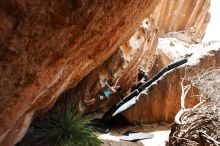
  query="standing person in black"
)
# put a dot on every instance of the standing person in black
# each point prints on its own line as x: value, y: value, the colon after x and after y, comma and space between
x: 141, y: 78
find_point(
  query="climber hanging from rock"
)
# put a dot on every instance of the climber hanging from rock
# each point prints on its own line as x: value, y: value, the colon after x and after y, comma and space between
x: 141, y: 78
x: 105, y: 94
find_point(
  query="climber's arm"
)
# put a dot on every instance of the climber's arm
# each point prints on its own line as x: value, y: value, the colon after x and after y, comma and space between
x: 111, y: 88
x: 116, y: 83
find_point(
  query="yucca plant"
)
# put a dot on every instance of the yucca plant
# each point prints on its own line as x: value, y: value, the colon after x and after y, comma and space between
x: 63, y: 126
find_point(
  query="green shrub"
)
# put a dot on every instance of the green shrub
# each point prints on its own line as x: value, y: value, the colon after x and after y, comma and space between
x: 62, y: 127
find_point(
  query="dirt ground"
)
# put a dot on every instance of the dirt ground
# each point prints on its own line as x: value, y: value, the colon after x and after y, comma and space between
x: 141, y: 128
x: 120, y: 143
x: 118, y: 131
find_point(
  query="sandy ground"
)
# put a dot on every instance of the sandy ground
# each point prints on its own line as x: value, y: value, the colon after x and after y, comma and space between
x: 120, y: 143
x: 160, y: 132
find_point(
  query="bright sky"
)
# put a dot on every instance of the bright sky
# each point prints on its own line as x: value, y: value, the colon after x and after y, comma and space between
x: 213, y: 29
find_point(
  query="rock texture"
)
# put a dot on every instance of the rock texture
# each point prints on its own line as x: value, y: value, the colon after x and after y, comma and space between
x: 140, y: 49
x: 162, y: 100
x: 48, y: 46
x: 189, y: 16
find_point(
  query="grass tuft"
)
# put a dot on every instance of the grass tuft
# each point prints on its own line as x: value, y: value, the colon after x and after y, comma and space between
x: 63, y: 126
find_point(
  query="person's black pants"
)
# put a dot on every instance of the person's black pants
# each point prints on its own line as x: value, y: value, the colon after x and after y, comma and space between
x: 136, y: 86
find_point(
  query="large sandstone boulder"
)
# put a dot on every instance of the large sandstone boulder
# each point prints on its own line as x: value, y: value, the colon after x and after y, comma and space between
x: 191, y: 17
x: 162, y: 100
x: 140, y: 49
x: 48, y: 46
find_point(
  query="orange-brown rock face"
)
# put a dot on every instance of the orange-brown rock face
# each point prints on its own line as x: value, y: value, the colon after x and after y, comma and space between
x: 48, y: 46
x: 140, y: 49
x: 190, y: 16
x: 162, y: 100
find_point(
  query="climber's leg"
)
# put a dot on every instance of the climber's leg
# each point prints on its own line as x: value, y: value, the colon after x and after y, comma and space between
x: 139, y: 84
x: 133, y: 88
x: 91, y: 101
